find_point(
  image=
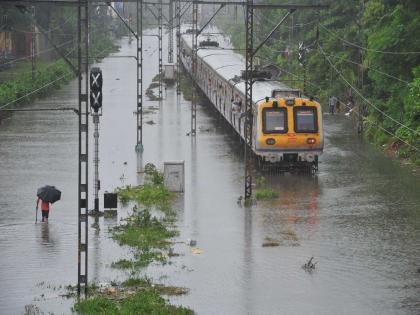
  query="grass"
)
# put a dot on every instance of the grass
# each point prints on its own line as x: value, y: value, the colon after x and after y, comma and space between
x: 266, y: 194
x: 148, y: 301
x: 147, y: 195
x: 148, y: 236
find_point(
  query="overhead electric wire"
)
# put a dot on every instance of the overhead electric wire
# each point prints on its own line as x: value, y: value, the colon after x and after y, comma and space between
x: 35, y: 91
x: 42, y: 87
x: 361, y: 95
x: 47, y: 84
x: 369, y: 49
x: 373, y: 69
x: 38, y: 53
x: 49, y: 30
x: 350, y: 108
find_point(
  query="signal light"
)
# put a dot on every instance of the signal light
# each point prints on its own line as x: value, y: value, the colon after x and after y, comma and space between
x: 96, y: 82
x: 310, y: 141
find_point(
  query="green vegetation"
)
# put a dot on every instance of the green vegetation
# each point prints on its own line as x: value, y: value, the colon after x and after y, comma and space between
x: 263, y: 192
x: 149, y: 237
x: 148, y: 301
x: 266, y: 194
x: 23, y: 84
x: 388, y: 32
x: 16, y: 83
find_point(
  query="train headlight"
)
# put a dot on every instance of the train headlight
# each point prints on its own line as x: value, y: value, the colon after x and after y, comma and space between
x: 270, y: 141
x: 290, y: 101
x: 310, y: 141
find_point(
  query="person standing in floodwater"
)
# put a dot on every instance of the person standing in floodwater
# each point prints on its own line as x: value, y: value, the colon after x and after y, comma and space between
x: 331, y: 105
x: 45, y: 209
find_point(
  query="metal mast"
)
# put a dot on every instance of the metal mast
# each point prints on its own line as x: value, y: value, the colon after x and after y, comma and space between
x: 194, y: 68
x: 139, y: 85
x: 249, y: 21
x: 178, y: 46
x: 160, y: 35
x: 171, y: 33
x: 83, y: 76
x: 33, y: 43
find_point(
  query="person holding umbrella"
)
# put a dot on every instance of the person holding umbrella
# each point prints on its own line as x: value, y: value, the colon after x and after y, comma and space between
x: 45, y: 209
x: 46, y: 195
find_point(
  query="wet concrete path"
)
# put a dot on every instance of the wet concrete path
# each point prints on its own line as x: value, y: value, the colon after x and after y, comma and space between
x: 359, y: 218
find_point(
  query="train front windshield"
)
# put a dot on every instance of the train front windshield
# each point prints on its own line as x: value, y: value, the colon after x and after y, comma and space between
x: 305, y: 119
x: 274, y: 120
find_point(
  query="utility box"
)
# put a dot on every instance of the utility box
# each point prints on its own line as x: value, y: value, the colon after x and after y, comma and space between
x: 110, y: 204
x: 174, y: 175
x: 170, y: 70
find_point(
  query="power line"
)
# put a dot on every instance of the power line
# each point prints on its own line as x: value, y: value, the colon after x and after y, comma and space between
x: 39, y: 52
x: 35, y: 91
x: 370, y: 121
x: 361, y: 95
x: 50, y: 29
x: 49, y: 83
x: 370, y: 49
x: 373, y: 69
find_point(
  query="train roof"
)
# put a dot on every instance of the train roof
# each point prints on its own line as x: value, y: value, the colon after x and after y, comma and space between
x: 228, y: 64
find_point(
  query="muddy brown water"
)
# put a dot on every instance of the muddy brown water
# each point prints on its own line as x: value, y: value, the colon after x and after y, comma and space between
x: 359, y: 217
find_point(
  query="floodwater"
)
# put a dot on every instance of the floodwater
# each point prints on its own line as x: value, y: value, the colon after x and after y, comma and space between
x: 359, y: 217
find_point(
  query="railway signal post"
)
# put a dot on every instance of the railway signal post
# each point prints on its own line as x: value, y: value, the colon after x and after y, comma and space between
x: 96, y: 82
x: 83, y: 75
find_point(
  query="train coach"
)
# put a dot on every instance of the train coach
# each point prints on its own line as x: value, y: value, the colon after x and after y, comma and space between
x: 287, y: 130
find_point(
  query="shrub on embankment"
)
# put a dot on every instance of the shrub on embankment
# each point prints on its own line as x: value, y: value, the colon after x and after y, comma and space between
x: 23, y: 84
x: 49, y: 76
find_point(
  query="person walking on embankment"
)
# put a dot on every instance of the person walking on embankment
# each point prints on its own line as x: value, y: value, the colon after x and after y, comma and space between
x: 45, y: 209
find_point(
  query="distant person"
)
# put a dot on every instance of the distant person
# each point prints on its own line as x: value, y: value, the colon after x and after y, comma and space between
x: 45, y: 209
x: 331, y: 105
x: 336, y: 104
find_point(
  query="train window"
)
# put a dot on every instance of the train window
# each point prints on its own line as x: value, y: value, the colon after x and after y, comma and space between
x: 274, y: 120
x: 305, y: 119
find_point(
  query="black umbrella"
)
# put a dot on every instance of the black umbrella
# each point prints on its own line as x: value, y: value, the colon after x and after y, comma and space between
x: 49, y: 194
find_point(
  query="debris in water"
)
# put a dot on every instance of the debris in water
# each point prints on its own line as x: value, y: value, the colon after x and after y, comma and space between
x: 269, y: 242
x: 117, y: 79
x: 32, y: 309
x: 240, y: 199
x: 309, y: 266
x: 191, y: 242
x: 196, y: 250
x: 125, y: 163
x: 203, y: 129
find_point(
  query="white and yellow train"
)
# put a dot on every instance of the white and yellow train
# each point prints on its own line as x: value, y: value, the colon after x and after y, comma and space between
x: 287, y: 126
